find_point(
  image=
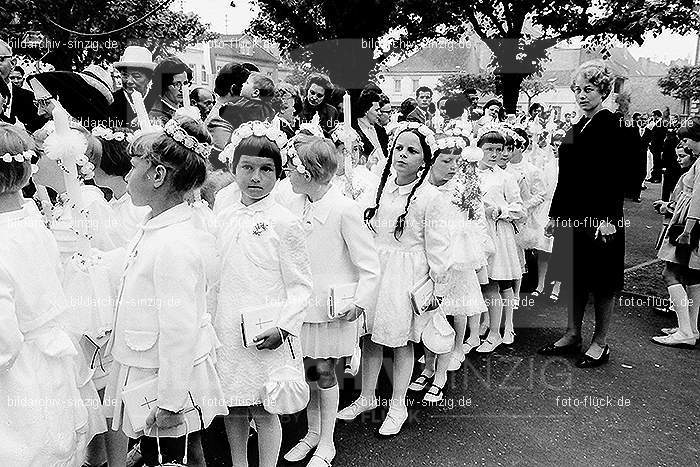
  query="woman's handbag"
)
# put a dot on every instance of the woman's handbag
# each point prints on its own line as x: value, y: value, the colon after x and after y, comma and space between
x: 286, y: 389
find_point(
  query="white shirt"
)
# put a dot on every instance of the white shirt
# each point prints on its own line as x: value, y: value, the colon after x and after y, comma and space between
x: 130, y: 216
x: 227, y: 196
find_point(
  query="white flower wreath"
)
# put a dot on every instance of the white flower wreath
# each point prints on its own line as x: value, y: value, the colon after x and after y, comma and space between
x: 109, y: 135
x: 254, y: 128
x: 290, y: 154
x: 420, y: 128
x: 176, y: 132
x: 21, y: 157
x: 346, y: 135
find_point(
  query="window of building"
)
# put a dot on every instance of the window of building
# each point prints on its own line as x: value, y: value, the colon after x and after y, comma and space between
x: 416, y: 85
x: 205, y: 77
x: 685, y: 106
x: 397, y: 85
x: 619, y: 83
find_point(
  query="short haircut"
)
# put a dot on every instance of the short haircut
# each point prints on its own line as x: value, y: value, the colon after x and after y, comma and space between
x: 166, y: 70
x: 250, y: 67
x: 423, y: 89
x: 597, y: 73
x: 14, y: 175
x: 230, y: 79
x: 263, y: 84
x: 19, y: 69
x: 364, y: 103
x: 492, y: 137
x: 195, y: 93
x: 189, y: 169
x: 257, y: 146
x: 113, y: 156
x: 321, y: 81
x: 384, y: 100
x: 454, y: 106
x: 319, y: 156
x: 408, y: 106
x: 493, y: 102
x: 657, y: 113
x: 534, y: 107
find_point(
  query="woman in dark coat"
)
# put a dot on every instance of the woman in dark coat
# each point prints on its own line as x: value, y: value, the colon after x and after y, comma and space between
x: 586, y: 216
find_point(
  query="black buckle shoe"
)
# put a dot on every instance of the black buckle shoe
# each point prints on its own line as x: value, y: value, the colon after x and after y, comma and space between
x: 586, y: 361
x: 568, y: 349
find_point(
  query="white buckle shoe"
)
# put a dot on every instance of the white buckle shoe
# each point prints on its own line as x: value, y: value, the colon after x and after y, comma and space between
x: 300, y: 451
x: 455, y: 362
x: 669, y: 331
x: 358, y: 406
x: 467, y: 347
x: 395, y: 418
x: 675, y: 340
x: 488, y: 345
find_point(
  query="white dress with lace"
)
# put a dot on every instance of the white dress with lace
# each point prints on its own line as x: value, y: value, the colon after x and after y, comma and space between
x: 264, y: 261
x: 424, y: 248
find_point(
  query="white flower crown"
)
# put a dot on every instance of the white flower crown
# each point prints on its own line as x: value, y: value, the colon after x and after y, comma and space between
x: 344, y: 134
x: 109, y: 135
x: 421, y: 128
x: 290, y: 153
x: 501, y: 129
x: 254, y: 128
x: 472, y: 154
x: 451, y: 142
x: 176, y: 132
x: 21, y: 157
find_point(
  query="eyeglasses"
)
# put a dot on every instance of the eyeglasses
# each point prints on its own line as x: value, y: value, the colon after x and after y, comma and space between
x: 179, y: 84
x: 387, y: 112
x: 38, y: 103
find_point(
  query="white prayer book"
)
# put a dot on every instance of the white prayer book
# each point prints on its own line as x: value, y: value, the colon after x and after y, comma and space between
x: 140, y: 399
x: 258, y: 319
x: 340, y: 298
x: 421, y: 294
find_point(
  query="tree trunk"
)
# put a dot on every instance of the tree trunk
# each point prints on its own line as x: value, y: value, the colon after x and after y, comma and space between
x: 511, y: 90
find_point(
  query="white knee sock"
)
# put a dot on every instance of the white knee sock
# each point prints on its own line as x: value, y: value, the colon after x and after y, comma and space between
x: 508, y: 302
x: 329, y: 411
x: 694, y: 306
x: 679, y: 297
x: 313, y: 415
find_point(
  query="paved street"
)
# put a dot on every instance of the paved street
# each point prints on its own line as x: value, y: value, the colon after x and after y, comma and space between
x: 518, y: 408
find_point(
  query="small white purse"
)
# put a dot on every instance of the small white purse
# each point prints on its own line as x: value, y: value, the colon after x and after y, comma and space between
x: 286, y: 389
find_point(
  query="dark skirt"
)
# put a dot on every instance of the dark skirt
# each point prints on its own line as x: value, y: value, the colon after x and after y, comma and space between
x: 582, y: 262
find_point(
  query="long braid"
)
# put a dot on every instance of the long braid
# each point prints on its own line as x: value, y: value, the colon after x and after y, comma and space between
x: 372, y: 211
x: 428, y: 158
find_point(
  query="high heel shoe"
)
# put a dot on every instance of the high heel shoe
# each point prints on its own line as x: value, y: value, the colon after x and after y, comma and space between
x: 568, y: 349
x: 586, y: 361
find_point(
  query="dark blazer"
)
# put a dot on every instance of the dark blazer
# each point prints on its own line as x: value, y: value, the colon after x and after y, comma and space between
x: 418, y: 115
x: 23, y: 109
x: 328, y: 116
x: 244, y: 110
x: 121, y: 111
x: 367, y: 146
x: 590, y: 189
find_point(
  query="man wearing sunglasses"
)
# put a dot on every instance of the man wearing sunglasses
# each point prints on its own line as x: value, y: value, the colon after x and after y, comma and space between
x: 18, y: 105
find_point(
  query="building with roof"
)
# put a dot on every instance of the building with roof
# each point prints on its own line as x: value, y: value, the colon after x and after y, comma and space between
x: 429, y: 64
x: 242, y: 48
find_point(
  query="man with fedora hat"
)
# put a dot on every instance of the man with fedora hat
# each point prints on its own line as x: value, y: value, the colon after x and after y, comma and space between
x: 20, y: 103
x: 136, y: 68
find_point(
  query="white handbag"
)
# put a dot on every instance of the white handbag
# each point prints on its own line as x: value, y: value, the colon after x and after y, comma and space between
x: 174, y: 463
x: 286, y: 389
x: 438, y: 336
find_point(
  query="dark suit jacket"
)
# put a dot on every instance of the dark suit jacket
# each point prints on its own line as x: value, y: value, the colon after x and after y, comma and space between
x: 23, y: 109
x: 121, y: 110
x: 420, y: 116
x: 367, y: 146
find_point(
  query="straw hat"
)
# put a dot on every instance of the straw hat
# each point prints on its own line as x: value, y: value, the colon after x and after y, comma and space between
x: 136, y: 56
x: 99, y: 78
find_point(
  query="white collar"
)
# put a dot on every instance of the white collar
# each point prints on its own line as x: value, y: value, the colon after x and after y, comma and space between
x: 402, y: 189
x: 174, y: 215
